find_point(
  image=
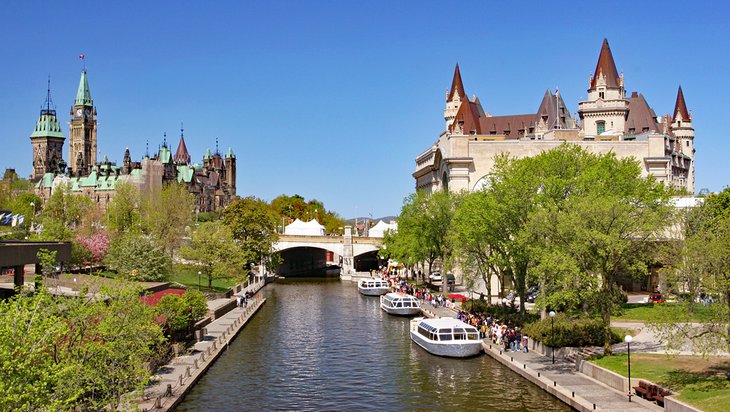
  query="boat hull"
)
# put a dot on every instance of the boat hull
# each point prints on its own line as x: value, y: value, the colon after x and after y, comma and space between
x: 401, y: 311
x: 449, y: 350
x: 373, y: 291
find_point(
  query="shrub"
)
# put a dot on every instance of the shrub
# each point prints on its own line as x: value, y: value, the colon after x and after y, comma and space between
x: 505, y: 313
x: 569, y: 331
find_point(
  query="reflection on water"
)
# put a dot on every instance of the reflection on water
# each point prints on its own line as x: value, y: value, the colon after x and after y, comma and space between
x: 319, y: 345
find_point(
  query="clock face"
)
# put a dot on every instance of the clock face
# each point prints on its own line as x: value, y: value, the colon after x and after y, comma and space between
x: 78, y: 112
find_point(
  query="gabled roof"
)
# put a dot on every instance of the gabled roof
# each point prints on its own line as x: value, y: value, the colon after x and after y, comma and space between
x: 468, y: 116
x: 680, y: 107
x: 606, y: 66
x: 641, y: 116
x: 83, y: 95
x: 457, y: 86
x: 508, y: 124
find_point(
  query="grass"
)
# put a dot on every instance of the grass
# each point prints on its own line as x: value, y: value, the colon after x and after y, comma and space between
x: 646, y: 312
x: 700, y: 382
x: 188, y: 276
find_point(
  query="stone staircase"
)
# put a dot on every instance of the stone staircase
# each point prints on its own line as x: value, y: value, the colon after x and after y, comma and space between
x: 582, y: 353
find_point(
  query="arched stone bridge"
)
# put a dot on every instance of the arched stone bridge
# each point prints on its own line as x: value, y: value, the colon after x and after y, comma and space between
x: 347, y: 246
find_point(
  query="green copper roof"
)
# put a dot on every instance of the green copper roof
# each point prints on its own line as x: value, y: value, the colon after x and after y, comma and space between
x: 47, y: 126
x: 165, y: 155
x: 185, y: 173
x: 106, y: 159
x: 46, y: 181
x: 83, y: 95
x: 230, y: 153
x: 208, y: 154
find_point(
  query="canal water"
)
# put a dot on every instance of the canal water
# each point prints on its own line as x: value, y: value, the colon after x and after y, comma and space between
x: 319, y: 345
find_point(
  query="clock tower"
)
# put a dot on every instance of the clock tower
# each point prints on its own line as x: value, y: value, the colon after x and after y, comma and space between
x: 82, y: 134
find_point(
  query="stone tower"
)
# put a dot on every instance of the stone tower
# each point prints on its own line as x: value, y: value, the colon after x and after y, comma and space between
x: 47, y: 141
x: 82, y: 134
x: 685, y: 133
x: 230, y: 163
x: 606, y: 108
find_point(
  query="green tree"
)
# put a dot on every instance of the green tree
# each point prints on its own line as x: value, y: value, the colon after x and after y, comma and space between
x: 253, y: 225
x: 212, y: 246
x: 136, y: 257
x: 122, y: 213
x: 168, y: 216
x: 703, y: 271
x: 62, y: 214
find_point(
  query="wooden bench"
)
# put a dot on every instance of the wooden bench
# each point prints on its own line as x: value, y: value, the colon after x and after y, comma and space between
x: 660, y: 394
x: 645, y: 390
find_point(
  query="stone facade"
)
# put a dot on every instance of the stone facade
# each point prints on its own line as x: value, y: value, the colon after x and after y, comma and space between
x: 608, y: 121
x: 213, y: 182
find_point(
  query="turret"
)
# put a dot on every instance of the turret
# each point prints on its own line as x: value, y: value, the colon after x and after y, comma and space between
x: 685, y: 133
x: 454, y: 97
x: 182, y: 156
x: 47, y: 141
x: 230, y: 162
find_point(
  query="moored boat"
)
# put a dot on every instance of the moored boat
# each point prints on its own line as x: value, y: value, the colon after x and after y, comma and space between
x: 448, y: 337
x: 373, y: 287
x: 398, y: 303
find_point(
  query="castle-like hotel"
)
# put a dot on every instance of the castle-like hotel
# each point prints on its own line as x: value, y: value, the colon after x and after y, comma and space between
x: 608, y: 121
x: 213, y: 182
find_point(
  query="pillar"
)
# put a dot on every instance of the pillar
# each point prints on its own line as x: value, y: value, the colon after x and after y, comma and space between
x: 348, y: 260
x: 18, y: 277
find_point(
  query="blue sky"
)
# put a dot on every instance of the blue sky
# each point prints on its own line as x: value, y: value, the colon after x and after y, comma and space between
x: 333, y: 100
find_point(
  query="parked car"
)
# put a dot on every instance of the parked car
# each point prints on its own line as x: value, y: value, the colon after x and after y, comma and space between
x: 435, y: 277
x: 510, y: 298
x: 532, y: 294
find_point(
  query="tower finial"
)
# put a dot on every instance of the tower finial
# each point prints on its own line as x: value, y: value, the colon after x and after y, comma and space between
x: 147, y: 148
x: 216, y: 146
x: 48, y: 103
x: 182, y: 130
x: 164, y: 139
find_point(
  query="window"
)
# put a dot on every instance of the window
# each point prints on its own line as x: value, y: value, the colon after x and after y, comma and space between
x: 600, y: 127
x: 601, y: 95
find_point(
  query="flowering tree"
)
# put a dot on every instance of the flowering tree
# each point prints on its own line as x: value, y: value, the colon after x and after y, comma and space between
x: 97, y: 246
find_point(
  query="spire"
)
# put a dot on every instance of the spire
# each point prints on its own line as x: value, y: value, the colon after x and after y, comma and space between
x: 83, y: 95
x: 216, y: 146
x: 607, y: 67
x: 457, y: 87
x: 181, y: 155
x: 230, y: 154
x: 47, y: 124
x: 680, y: 108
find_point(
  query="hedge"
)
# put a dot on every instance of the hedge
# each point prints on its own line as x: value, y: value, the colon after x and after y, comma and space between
x: 569, y: 331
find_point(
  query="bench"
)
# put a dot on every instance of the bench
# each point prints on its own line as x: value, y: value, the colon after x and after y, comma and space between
x: 645, y: 390
x: 660, y: 394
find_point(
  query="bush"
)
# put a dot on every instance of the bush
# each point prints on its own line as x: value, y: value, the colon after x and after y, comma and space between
x: 569, y: 331
x: 505, y: 313
x: 135, y: 257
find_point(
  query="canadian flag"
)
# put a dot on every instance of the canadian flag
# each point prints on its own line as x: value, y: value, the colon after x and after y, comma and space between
x: 82, y: 57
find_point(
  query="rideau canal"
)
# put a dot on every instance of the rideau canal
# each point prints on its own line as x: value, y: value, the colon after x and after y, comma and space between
x: 318, y: 344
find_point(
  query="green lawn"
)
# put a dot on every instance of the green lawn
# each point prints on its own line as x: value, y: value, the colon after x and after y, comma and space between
x: 646, y: 312
x: 700, y: 382
x: 188, y: 276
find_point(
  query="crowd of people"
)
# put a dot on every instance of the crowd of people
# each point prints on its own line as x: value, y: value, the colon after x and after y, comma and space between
x: 500, y: 333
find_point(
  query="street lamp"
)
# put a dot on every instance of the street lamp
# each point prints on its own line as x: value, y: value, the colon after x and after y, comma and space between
x: 552, y: 332
x: 628, y: 340
x: 199, y: 273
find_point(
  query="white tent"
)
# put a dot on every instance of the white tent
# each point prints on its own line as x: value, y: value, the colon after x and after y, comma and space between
x: 311, y: 228
x: 379, y: 229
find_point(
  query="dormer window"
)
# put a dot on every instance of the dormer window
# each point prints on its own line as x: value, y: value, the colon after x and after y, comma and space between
x: 601, y: 95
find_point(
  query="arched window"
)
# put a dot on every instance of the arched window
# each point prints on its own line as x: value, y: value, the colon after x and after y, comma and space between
x: 600, y: 127
x: 445, y: 182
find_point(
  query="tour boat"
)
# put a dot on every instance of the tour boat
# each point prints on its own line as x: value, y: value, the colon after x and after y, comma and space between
x: 448, y: 337
x: 398, y: 303
x: 373, y: 287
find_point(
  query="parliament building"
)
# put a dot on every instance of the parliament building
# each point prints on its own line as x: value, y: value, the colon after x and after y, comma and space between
x: 608, y: 120
x: 213, y: 182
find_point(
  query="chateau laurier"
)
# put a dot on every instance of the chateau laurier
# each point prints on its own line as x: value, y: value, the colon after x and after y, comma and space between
x: 607, y: 121
x: 213, y: 183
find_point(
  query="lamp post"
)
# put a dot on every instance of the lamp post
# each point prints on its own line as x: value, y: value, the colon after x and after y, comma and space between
x: 199, y: 273
x: 628, y: 340
x: 552, y: 333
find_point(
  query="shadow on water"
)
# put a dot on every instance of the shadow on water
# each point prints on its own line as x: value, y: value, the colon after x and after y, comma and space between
x: 317, y: 344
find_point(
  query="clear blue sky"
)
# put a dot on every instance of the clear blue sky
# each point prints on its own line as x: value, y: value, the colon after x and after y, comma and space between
x: 334, y: 100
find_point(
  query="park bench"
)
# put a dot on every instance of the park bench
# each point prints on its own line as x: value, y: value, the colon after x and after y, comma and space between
x: 660, y: 394
x: 645, y: 390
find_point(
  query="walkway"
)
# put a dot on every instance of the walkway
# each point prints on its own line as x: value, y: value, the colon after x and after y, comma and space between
x: 175, y: 379
x: 561, y: 379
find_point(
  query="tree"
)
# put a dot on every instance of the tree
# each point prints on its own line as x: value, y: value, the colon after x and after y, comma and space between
x: 181, y: 312
x: 62, y: 213
x: 95, y: 247
x: 701, y: 275
x: 213, y: 247
x: 595, y: 223
x: 167, y: 215
x: 122, y: 213
x: 137, y: 258
x: 74, y: 353
x: 253, y: 226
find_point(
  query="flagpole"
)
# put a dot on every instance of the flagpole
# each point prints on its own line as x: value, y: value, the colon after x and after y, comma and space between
x: 557, y: 108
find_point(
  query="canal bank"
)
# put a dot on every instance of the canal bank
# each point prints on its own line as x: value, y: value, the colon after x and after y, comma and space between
x: 174, y: 380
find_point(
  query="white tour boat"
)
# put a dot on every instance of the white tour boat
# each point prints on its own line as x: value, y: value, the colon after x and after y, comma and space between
x: 448, y: 337
x: 373, y: 287
x: 397, y: 303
